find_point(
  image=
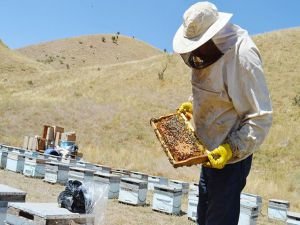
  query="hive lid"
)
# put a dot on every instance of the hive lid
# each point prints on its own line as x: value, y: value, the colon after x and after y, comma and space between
x: 7, y: 190
x: 293, y: 215
x: 167, y: 188
x: 277, y: 201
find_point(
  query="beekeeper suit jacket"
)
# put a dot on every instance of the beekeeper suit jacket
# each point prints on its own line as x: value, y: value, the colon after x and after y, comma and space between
x: 230, y: 98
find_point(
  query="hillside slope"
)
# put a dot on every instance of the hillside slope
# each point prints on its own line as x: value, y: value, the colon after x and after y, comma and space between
x: 111, y: 105
x: 89, y: 50
x: 13, y: 62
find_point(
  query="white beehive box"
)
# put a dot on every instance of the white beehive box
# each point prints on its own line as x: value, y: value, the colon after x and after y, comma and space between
x: 192, y: 206
x: 15, y: 161
x: 252, y: 198
x: 167, y: 199
x: 3, y: 158
x: 194, y: 189
x: 293, y: 218
x: 44, y: 213
x: 277, y: 209
x: 112, y: 180
x: 51, y: 172
x: 133, y: 191
x: 156, y: 180
x: 34, y: 167
x: 9, y: 194
x: 180, y: 184
x: 193, y: 201
x: 248, y: 213
x: 56, y: 172
x: 81, y: 174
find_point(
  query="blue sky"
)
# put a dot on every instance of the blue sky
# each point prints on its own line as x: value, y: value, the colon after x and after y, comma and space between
x: 29, y: 22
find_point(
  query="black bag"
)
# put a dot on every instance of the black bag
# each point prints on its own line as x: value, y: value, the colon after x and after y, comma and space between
x: 74, y: 197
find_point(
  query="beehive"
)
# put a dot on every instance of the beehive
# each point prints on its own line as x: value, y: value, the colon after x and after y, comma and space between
x: 133, y: 191
x: 293, y: 218
x: 34, y: 167
x: 56, y: 172
x: 167, y: 199
x: 192, y: 205
x: 81, y: 174
x: 9, y: 194
x: 44, y: 213
x: 178, y: 140
x: 15, y: 161
x: 184, y: 186
x: 252, y: 198
x: 112, y: 180
x: 3, y: 158
x: 277, y: 209
x: 156, y: 180
x: 248, y: 213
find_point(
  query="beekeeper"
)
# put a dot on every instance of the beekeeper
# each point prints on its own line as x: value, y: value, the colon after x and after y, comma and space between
x: 231, y: 106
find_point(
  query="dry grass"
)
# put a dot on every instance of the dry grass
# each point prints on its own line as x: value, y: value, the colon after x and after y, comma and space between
x: 110, y: 111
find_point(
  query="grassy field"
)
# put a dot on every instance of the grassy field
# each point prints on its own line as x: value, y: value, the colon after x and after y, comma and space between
x: 109, y: 104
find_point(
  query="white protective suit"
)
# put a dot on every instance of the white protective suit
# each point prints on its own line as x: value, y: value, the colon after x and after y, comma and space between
x: 231, y: 102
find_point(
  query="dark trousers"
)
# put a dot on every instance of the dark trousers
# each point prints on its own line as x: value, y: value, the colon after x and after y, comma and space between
x: 219, y: 193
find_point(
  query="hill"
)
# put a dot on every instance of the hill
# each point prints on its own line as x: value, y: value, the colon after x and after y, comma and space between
x: 89, y: 50
x: 110, y: 107
x: 13, y: 62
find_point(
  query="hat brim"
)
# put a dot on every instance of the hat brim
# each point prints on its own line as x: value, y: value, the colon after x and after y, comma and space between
x: 182, y: 44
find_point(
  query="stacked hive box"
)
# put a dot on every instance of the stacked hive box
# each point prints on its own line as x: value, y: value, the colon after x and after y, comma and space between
x: 193, y: 201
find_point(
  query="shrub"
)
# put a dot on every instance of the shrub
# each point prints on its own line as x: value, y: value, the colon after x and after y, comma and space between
x: 103, y: 39
x: 296, y: 100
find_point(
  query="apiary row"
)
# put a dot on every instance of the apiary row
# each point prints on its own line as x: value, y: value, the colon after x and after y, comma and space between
x: 130, y: 187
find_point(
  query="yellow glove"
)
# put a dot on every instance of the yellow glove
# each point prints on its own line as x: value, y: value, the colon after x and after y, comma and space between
x: 219, y: 156
x: 187, y: 109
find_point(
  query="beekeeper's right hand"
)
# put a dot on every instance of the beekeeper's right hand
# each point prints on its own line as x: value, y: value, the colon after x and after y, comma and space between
x: 187, y: 109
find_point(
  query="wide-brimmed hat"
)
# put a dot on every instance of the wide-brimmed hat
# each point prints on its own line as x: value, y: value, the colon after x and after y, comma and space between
x: 200, y: 23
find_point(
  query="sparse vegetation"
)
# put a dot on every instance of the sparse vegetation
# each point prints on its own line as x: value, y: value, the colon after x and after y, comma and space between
x: 103, y: 39
x: 30, y: 82
x: 296, y: 100
x: 114, y: 39
x: 126, y: 95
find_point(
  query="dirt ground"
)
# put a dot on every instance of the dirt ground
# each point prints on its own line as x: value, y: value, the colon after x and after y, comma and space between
x: 115, y: 212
